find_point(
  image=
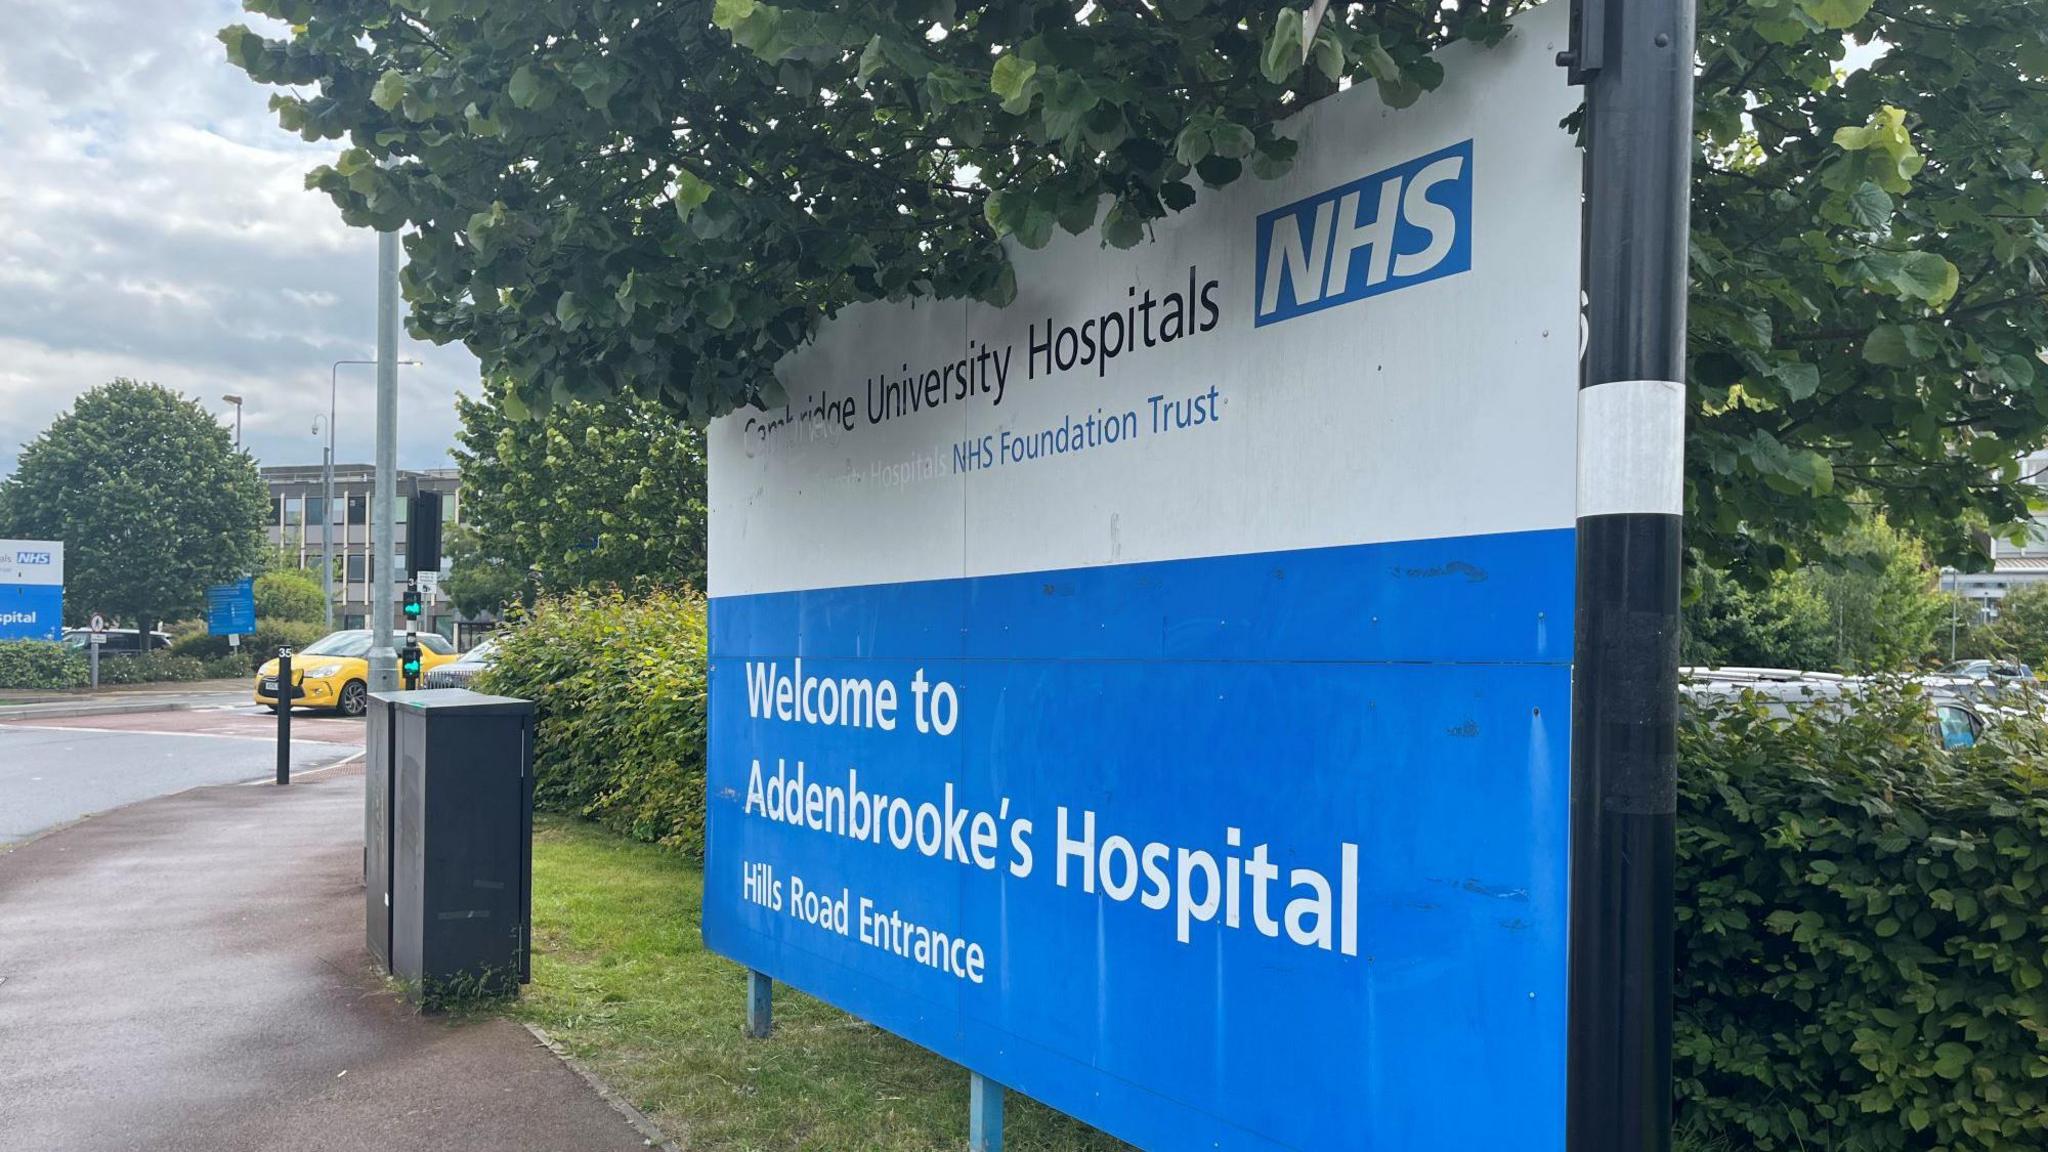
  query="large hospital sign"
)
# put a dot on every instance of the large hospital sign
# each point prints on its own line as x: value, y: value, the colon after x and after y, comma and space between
x: 31, y: 590
x: 1164, y: 710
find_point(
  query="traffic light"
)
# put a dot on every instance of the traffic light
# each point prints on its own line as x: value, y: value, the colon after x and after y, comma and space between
x: 409, y: 661
x: 423, y: 534
x: 412, y: 606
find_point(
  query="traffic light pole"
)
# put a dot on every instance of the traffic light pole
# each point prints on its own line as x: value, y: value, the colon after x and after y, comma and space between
x: 1636, y: 59
x: 384, y: 515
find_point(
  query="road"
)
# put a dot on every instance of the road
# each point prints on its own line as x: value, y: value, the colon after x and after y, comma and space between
x: 54, y: 771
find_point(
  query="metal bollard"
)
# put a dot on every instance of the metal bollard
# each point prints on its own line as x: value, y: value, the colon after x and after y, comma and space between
x: 284, y: 715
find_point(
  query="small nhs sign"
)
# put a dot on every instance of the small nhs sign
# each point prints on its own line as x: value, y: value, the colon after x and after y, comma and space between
x: 1406, y: 225
x: 25, y: 559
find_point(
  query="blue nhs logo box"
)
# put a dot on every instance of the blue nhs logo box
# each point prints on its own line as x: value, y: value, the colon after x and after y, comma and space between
x: 1407, y: 225
x: 34, y: 559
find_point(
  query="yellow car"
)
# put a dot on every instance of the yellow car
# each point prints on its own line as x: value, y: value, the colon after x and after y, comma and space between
x: 334, y: 671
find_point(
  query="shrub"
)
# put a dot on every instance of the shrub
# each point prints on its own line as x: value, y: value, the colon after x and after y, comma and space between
x: 167, y: 667
x: 40, y: 664
x: 258, y: 646
x: 618, y: 686
x: 290, y: 594
x: 1863, y: 928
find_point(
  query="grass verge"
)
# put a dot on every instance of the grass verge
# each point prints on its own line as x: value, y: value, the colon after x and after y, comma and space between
x: 623, y: 982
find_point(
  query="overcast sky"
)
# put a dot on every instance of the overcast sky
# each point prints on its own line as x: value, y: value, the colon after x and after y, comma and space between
x: 154, y: 224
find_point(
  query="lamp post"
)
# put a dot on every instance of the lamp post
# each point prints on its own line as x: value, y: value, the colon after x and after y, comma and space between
x: 237, y: 402
x: 1948, y: 581
x: 327, y: 489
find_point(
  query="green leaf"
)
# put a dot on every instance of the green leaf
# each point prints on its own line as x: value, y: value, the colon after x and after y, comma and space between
x: 728, y: 14
x: 1282, y: 52
x: 1870, y: 207
x: 1836, y: 14
x: 525, y: 87
x: 389, y: 90
x: 1008, y: 80
x: 1927, y: 276
x: 569, y: 312
x: 1122, y: 228
x: 1193, y: 143
x: 691, y: 193
x: 1077, y: 213
x: 872, y: 60
x: 1951, y: 1059
x: 1800, y: 380
x: 1232, y: 141
x: 1886, y: 345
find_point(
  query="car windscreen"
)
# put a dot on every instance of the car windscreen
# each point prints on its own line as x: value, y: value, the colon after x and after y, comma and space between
x: 355, y: 644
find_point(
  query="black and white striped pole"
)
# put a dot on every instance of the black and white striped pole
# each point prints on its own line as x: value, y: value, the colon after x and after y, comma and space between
x: 1636, y: 59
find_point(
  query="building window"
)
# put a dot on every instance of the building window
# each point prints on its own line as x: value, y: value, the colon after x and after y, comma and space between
x: 355, y: 568
x: 294, y: 512
x: 276, y: 511
x: 352, y: 621
x: 358, y: 509
x: 448, y: 508
x: 316, y: 510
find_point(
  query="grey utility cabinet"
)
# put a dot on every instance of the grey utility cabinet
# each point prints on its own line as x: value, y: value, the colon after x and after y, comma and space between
x: 448, y: 839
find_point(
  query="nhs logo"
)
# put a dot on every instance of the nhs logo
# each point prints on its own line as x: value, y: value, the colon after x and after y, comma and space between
x: 38, y: 558
x: 1406, y: 225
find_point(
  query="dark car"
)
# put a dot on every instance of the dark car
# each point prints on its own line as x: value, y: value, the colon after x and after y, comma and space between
x: 125, y: 641
x: 461, y: 673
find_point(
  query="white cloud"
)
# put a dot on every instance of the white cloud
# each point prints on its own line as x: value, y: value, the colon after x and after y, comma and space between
x: 154, y: 224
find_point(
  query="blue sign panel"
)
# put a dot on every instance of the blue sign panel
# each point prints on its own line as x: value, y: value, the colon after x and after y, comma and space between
x: 1163, y: 710
x: 31, y: 612
x: 1042, y: 823
x: 31, y: 590
x: 231, y: 608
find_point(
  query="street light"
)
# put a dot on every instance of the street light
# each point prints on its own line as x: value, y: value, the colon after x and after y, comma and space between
x: 237, y: 402
x: 327, y: 489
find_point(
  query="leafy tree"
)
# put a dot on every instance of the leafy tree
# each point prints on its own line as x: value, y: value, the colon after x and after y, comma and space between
x: 1786, y: 624
x: 1883, y: 597
x: 2020, y: 631
x: 477, y: 581
x: 590, y: 494
x: 662, y: 197
x: 150, y: 496
x: 290, y: 594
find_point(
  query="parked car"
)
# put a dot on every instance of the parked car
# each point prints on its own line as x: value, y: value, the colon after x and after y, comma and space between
x: 1989, y: 670
x: 1958, y: 720
x: 334, y: 671
x: 459, y: 673
x: 122, y: 641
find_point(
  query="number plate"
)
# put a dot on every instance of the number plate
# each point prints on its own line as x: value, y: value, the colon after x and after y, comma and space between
x: 270, y: 684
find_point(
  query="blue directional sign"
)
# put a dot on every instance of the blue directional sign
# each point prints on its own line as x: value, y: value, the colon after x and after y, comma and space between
x: 231, y: 608
x: 31, y: 589
x: 1149, y: 694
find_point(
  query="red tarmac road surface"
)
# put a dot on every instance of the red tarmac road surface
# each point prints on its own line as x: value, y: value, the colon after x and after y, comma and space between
x: 188, y: 974
x: 250, y: 722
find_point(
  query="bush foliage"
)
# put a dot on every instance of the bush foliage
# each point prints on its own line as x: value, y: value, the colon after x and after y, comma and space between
x: 168, y: 668
x: 618, y: 684
x: 40, y: 664
x: 258, y: 646
x: 1863, y: 928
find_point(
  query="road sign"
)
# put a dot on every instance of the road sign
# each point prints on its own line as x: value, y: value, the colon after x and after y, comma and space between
x: 31, y: 589
x: 98, y: 638
x: 231, y: 608
x: 429, y: 582
x: 1147, y: 694
x: 99, y: 623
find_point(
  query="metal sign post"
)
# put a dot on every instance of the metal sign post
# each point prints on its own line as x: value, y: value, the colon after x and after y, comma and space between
x: 284, y: 715
x: 96, y: 641
x: 1636, y: 60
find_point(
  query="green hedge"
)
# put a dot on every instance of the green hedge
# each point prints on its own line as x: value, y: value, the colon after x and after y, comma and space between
x: 618, y: 685
x: 1863, y: 932
x: 257, y: 647
x: 40, y: 664
x: 168, y: 667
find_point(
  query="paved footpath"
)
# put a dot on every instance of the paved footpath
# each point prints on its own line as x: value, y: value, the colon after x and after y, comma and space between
x: 188, y: 973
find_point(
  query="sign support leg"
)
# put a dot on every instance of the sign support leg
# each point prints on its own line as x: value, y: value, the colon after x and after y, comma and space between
x: 760, y: 1004
x: 984, y: 1114
x: 1636, y: 59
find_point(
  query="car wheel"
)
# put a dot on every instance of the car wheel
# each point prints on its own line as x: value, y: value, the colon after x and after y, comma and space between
x: 355, y: 698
